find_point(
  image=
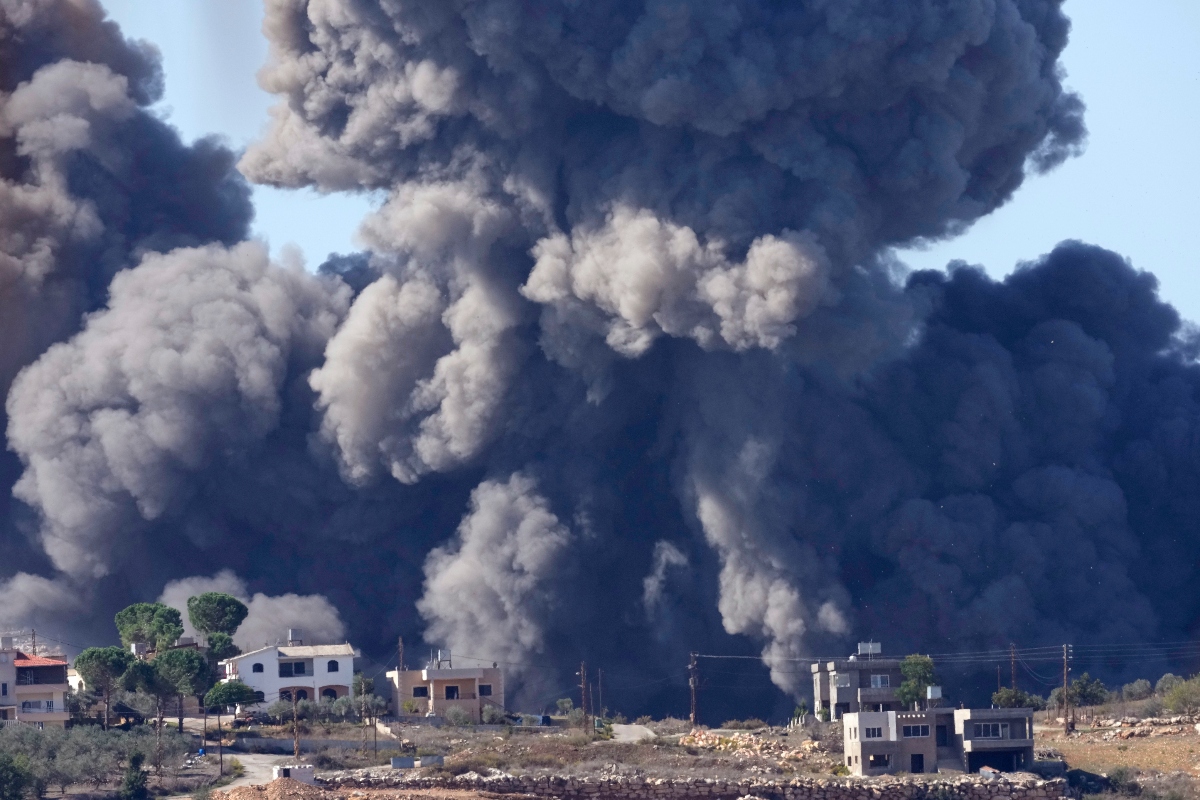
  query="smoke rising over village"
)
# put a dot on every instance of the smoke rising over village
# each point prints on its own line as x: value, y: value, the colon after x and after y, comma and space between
x: 626, y: 369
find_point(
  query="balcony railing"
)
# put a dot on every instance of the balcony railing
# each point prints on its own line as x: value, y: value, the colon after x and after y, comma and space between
x: 48, y: 708
x: 461, y: 696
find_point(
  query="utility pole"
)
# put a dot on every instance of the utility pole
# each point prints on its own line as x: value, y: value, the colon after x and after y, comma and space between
x: 999, y: 686
x: 295, y: 725
x: 583, y: 692
x: 693, y: 681
x: 33, y: 646
x: 399, y: 658
x: 600, y: 688
x: 1012, y: 657
x: 1066, y: 696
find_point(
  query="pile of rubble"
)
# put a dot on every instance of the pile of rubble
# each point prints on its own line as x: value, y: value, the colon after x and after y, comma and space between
x: 1132, y: 727
x: 749, y: 745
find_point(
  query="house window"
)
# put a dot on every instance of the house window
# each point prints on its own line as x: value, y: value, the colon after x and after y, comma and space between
x: 451, y: 692
x: 915, y: 731
x: 259, y: 697
x: 991, y: 730
x: 288, y: 669
x: 299, y: 667
x: 485, y: 690
x: 872, y: 733
x: 3, y: 690
x: 880, y: 682
x: 332, y: 666
x: 285, y: 695
x: 257, y: 668
x: 301, y: 694
x: 878, y: 761
x: 849, y: 761
x: 842, y: 681
x: 329, y: 694
x: 420, y: 691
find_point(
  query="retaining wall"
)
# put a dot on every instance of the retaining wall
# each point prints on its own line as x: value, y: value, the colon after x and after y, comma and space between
x: 958, y: 788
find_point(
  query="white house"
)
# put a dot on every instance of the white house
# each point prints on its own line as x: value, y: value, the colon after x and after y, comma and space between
x: 309, y: 672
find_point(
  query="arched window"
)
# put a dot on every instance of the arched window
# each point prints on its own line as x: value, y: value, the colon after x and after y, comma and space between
x: 285, y: 695
x: 301, y: 694
x: 330, y: 694
x: 257, y: 668
x: 259, y: 697
x: 333, y: 666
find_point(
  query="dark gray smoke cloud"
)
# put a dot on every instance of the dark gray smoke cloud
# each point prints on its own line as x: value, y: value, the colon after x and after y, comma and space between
x: 626, y: 370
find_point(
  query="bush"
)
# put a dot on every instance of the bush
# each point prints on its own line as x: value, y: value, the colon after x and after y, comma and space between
x: 202, y: 792
x: 751, y: 724
x: 1138, y: 690
x: 645, y: 719
x: 411, y: 706
x: 575, y: 718
x: 565, y: 705
x: 1166, y: 683
x: 493, y: 716
x: 531, y: 719
x: 458, y: 717
x: 1015, y: 698
x: 1184, y: 697
x: 133, y: 784
x: 236, y: 768
x: 14, y: 777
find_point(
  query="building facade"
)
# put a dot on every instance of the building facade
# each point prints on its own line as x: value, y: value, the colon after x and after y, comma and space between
x: 858, y: 683
x: 33, y: 689
x: 432, y: 692
x: 965, y: 739
x: 303, y: 672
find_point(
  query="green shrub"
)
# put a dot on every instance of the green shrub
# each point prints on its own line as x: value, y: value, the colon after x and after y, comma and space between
x: 751, y: 724
x: 1184, y: 697
x: 643, y: 720
x: 133, y: 783
x: 458, y: 717
x: 14, y: 777
x: 1138, y: 690
x: 493, y: 716
x: 1166, y: 683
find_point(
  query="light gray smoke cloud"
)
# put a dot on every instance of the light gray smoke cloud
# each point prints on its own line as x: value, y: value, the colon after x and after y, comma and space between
x: 268, y: 619
x: 88, y: 179
x: 623, y: 171
x: 630, y: 287
x: 184, y: 369
x: 491, y: 592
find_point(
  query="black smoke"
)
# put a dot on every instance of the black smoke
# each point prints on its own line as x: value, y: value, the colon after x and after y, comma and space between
x: 626, y: 371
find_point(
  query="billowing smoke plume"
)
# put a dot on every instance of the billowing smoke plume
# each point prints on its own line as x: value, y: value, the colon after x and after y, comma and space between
x: 627, y: 370
x: 269, y: 618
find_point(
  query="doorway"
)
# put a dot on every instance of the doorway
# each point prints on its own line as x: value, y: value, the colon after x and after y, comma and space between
x: 917, y: 763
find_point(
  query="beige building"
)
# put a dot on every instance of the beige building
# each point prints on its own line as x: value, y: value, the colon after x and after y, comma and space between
x: 33, y: 689
x: 863, y: 682
x: 966, y: 739
x: 433, y: 691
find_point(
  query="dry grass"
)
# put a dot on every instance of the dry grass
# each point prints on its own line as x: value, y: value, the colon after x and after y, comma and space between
x: 1150, y: 754
x: 564, y: 751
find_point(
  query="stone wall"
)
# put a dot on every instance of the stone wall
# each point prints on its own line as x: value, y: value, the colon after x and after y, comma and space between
x: 891, y: 788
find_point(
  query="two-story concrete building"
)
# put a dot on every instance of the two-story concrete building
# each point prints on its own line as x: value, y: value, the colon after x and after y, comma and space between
x: 435, y: 690
x: 306, y: 672
x: 33, y: 689
x: 879, y: 743
x: 863, y: 682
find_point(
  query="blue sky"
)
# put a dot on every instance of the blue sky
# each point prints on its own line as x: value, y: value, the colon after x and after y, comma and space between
x: 1135, y: 190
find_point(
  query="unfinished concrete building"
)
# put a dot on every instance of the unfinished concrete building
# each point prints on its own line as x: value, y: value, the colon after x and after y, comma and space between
x: 863, y: 682
x: 966, y: 739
